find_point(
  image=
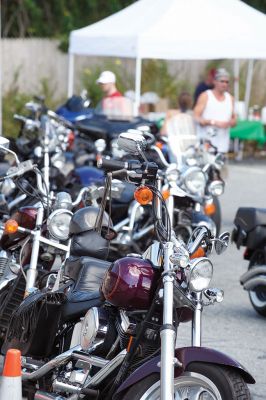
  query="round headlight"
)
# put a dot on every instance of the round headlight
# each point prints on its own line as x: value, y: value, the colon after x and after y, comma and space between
x: 195, y: 180
x: 172, y: 175
x: 58, y: 224
x: 201, y: 272
x: 216, y: 188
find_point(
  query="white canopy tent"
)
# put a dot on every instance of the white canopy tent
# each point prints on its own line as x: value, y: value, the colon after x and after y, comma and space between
x: 175, y: 30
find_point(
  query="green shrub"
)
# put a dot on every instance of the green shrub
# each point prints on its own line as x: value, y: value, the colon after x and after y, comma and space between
x: 14, y: 103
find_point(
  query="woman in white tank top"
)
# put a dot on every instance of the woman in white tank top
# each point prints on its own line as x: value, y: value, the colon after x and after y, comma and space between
x: 214, y: 113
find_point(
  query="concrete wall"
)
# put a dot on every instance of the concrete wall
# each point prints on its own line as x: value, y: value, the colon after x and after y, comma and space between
x: 27, y: 62
x: 30, y: 61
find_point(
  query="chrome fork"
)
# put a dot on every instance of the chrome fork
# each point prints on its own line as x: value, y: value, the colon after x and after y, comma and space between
x: 168, y: 331
x: 32, y: 271
x: 197, y: 322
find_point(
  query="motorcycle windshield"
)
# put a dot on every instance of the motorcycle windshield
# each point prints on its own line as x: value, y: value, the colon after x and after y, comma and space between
x: 116, y: 108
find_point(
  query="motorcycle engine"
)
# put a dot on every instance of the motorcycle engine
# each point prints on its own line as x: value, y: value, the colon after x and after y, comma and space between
x: 103, y: 332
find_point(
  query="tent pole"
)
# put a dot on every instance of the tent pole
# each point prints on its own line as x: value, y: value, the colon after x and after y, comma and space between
x: 248, y: 85
x: 137, y: 86
x: 236, y: 80
x: 70, y: 75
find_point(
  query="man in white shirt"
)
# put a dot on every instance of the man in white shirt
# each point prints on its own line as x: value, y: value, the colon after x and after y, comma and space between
x: 214, y: 113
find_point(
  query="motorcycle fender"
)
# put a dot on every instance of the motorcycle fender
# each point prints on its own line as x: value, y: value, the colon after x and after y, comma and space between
x: 185, y: 356
x: 253, y: 273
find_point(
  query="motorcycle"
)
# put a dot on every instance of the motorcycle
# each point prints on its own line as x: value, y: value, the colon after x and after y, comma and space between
x: 250, y: 232
x: 184, y: 191
x: 34, y: 240
x: 124, y: 347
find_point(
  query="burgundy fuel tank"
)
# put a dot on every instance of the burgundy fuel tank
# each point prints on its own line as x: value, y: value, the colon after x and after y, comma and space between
x: 26, y: 218
x: 129, y: 283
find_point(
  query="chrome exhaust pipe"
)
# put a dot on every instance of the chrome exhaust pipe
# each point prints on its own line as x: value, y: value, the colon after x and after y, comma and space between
x: 54, y: 363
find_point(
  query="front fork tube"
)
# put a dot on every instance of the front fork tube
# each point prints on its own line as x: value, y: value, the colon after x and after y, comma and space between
x: 32, y: 271
x: 197, y: 321
x: 170, y: 208
x: 167, y: 332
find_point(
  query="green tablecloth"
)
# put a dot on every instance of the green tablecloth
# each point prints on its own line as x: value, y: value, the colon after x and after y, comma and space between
x: 249, y: 130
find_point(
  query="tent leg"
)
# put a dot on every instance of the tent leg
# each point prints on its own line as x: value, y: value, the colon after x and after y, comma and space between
x: 137, y: 86
x: 236, y: 80
x: 70, y: 75
x: 248, y: 85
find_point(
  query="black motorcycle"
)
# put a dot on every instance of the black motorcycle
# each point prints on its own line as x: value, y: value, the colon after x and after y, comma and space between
x: 250, y: 231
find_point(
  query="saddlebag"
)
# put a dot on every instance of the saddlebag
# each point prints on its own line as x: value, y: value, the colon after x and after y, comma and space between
x: 34, y: 324
x: 250, y: 228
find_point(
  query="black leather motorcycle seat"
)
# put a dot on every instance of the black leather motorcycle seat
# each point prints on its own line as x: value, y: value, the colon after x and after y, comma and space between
x: 86, y: 272
x: 93, y: 129
x: 248, y: 218
x: 78, y: 303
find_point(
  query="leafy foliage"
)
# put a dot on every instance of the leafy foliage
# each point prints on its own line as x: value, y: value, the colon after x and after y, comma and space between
x: 14, y: 103
x: 258, y: 4
x: 156, y: 78
x: 56, y: 19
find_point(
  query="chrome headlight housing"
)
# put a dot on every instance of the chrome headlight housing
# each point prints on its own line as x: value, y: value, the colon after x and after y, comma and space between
x: 216, y: 188
x: 58, y: 224
x: 200, y: 275
x: 194, y: 180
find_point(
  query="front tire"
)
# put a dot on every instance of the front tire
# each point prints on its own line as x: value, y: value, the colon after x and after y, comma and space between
x: 258, y: 296
x: 201, y: 381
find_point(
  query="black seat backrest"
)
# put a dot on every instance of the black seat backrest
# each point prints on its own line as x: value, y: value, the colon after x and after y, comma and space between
x: 86, y: 272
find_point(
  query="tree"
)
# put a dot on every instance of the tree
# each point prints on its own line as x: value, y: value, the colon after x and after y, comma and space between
x: 49, y: 18
x: 258, y: 4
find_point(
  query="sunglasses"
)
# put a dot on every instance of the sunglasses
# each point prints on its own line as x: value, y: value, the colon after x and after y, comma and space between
x: 224, y: 81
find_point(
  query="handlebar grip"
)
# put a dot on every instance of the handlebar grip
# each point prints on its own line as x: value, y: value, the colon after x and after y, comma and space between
x: 111, y: 165
x: 120, y: 174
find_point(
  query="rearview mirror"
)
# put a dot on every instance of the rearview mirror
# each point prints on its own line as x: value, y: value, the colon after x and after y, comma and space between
x: 133, y: 143
x: 222, y: 242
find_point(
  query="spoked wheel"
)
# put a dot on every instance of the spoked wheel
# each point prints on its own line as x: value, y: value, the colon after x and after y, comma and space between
x: 258, y: 296
x: 200, y: 382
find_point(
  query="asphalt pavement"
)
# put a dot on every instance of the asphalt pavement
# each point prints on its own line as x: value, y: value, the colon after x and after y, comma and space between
x: 233, y: 327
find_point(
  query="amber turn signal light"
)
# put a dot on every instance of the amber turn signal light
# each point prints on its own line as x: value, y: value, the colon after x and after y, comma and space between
x: 11, y: 226
x: 209, y: 209
x: 166, y: 194
x: 143, y: 195
x: 198, y: 253
x: 159, y: 145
